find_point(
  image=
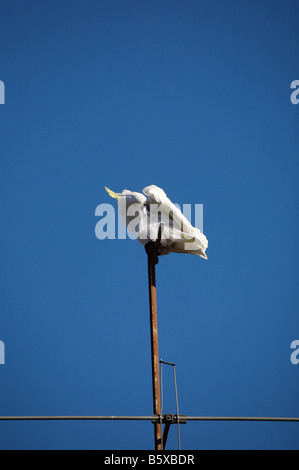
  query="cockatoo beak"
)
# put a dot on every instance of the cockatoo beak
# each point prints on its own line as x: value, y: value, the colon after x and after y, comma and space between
x: 113, y: 194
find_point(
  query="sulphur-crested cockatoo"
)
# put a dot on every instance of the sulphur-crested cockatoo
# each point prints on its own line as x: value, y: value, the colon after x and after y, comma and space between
x: 143, y: 217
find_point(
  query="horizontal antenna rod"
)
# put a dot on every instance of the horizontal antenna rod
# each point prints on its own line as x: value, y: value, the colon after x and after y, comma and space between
x: 168, y: 363
x: 153, y: 418
x: 238, y: 418
x: 79, y: 418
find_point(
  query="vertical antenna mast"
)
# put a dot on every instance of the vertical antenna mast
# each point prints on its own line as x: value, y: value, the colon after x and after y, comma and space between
x: 152, y: 252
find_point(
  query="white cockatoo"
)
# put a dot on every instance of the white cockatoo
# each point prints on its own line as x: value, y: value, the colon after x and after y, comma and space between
x: 143, y: 217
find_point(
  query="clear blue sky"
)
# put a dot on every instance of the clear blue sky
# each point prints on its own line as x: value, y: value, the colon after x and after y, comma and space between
x: 193, y: 97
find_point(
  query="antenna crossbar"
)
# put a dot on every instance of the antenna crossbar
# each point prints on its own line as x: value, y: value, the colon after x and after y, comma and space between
x: 153, y: 418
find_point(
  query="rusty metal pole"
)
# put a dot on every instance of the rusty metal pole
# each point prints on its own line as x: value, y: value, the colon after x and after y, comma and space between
x: 151, y: 250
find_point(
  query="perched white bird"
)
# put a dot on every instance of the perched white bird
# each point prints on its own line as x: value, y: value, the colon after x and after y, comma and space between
x: 143, y: 217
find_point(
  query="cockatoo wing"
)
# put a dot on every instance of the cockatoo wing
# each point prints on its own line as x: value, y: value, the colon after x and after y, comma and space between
x: 157, y: 196
x: 178, y: 234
